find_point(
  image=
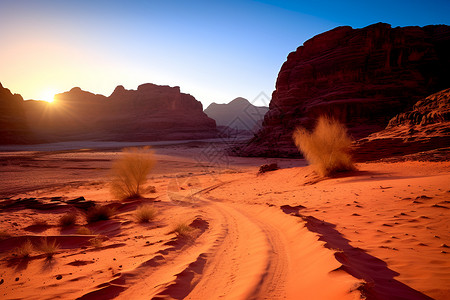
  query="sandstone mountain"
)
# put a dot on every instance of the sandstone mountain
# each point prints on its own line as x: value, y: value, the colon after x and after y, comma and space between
x: 13, y: 125
x: 238, y: 115
x: 363, y: 77
x: 425, y: 127
x: 151, y: 112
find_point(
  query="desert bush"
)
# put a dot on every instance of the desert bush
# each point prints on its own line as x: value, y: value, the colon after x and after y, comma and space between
x: 84, y: 231
x: 68, y: 220
x: 327, y: 148
x: 48, y: 248
x: 182, y: 229
x: 24, y: 250
x: 99, y: 213
x: 145, y: 213
x: 130, y: 171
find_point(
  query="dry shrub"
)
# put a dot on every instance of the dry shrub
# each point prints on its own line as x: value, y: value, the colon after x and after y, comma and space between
x: 145, y: 213
x: 327, y: 148
x: 84, y: 231
x: 130, y: 172
x: 68, y: 220
x: 99, y: 213
x: 48, y: 248
x: 182, y: 229
x: 24, y: 250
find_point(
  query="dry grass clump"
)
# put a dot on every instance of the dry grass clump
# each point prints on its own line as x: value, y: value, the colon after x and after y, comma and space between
x: 327, y: 148
x: 48, y: 248
x: 24, y: 250
x: 68, y: 220
x: 182, y: 229
x: 130, y: 172
x: 84, y: 231
x: 145, y: 213
x: 99, y: 213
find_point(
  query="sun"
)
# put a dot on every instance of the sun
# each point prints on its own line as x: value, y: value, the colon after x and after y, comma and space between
x: 48, y: 95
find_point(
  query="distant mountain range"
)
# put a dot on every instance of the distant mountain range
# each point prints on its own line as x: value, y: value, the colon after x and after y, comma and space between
x: 152, y: 112
x: 239, y: 114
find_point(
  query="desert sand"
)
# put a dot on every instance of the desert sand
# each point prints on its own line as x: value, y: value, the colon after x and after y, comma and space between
x: 380, y: 232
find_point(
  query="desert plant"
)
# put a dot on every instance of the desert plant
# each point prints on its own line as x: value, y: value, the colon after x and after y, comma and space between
x: 130, y: 171
x: 327, y: 148
x: 24, y: 250
x: 99, y: 213
x: 84, y: 231
x: 182, y: 229
x: 68, y: 220
x: 48, y: 248
x: 145, y: 213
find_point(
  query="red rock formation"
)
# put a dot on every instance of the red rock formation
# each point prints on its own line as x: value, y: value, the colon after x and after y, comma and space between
x: 13, y: 125
x: 425, y: 127
x: 151, y: 112
x: 361, y: 76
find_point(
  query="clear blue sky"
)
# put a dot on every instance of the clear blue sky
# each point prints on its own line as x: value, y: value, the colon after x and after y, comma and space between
x: 214, y: 50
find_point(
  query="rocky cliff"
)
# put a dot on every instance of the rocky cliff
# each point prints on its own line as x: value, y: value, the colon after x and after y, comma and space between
x: 363, y: 77
x: 239, y: 115
x: 425, y: 127
x: 151, y: 112
x: 13, y: 126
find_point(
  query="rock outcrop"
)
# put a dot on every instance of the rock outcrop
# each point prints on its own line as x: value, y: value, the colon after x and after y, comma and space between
x: 423, y: 128
x: 13, y: 125
x: 238, y: 115
x: 151, y: 112
x: 363, y: 77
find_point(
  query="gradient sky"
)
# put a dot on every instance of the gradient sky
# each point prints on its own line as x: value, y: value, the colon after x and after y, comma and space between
x: 214, y: 50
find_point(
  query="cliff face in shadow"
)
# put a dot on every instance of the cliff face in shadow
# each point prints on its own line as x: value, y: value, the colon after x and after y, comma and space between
x: 363, y: 77
x: 13, y: 125
x: 149, y: 113
x: 425, y: 127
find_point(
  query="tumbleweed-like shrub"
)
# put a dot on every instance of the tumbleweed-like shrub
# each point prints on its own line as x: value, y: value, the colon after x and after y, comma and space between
x: 327, y: 148
x: 130, y: 171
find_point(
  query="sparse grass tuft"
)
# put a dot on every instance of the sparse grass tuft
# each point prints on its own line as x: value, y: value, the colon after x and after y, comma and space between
x: 182, y: 229
x: 327, y: 148
x: 24, y: 251
x: 145, y: 213
x: 130, y: 172
x: 68, y: 220
x: 96, y: 242
x: 99, y: 213
x: 84, y: 231
x: 48, y: 248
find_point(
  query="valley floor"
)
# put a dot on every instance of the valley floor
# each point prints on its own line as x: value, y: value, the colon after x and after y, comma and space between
x: 380, y: 232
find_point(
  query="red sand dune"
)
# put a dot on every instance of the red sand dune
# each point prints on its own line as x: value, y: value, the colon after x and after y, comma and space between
x: 380, y: 232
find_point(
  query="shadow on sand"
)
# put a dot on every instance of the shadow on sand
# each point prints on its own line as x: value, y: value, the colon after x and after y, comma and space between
x: 380, y: 282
